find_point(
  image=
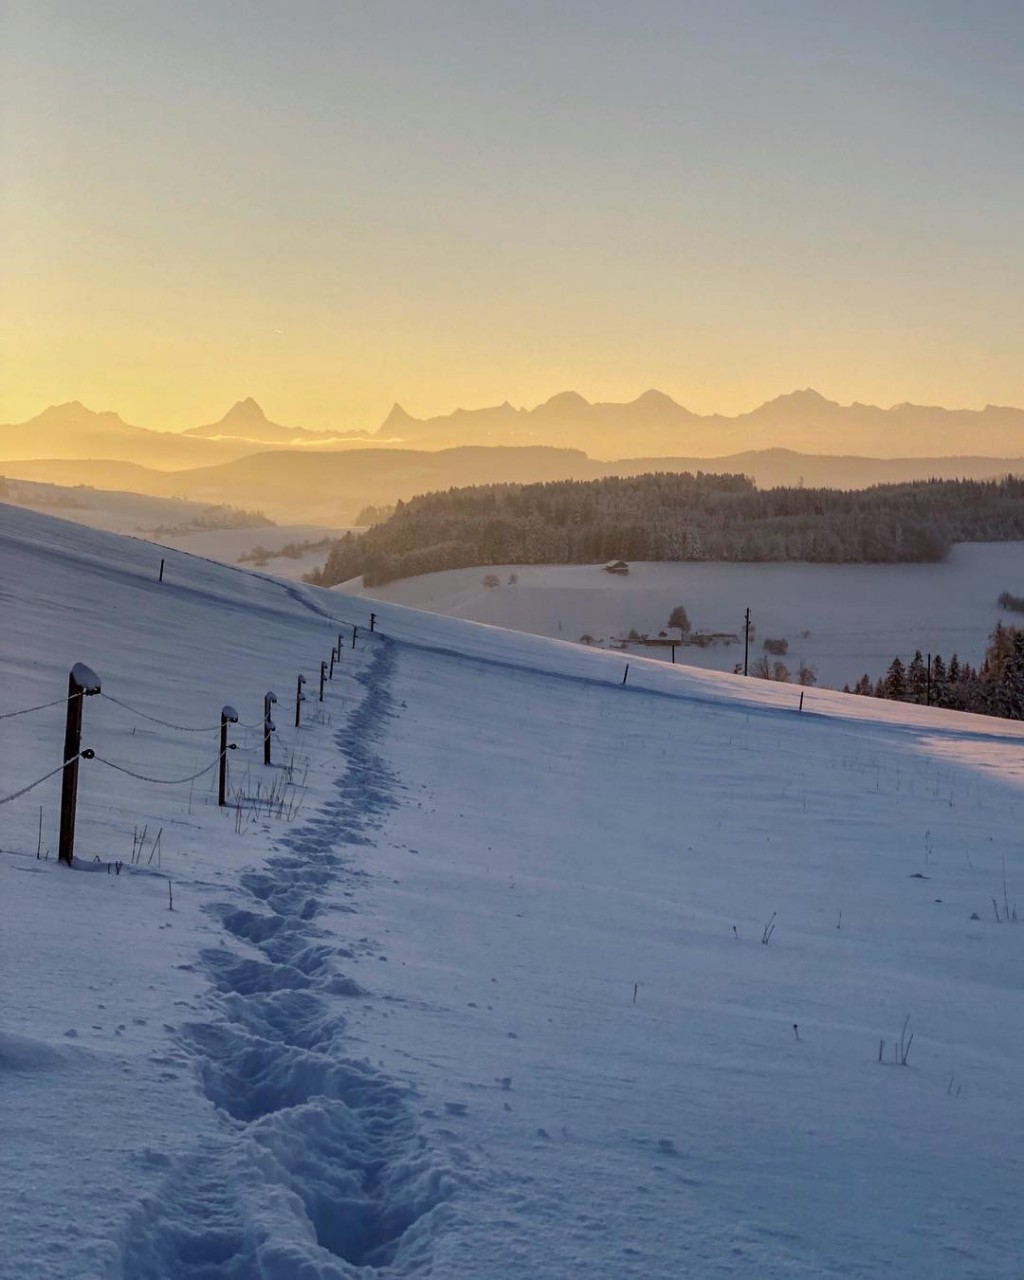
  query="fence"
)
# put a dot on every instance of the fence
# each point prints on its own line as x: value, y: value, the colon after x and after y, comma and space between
x: 84, y: 683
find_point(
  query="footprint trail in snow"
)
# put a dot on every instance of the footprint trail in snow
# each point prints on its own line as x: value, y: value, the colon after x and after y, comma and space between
x: 320, y: 1168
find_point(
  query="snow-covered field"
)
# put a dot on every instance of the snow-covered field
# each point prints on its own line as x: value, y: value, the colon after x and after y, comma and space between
x: 484, y: 991
x: 844, y: 620
x: 117, y: 511
x: 155, y: 518
x: 227, y: 545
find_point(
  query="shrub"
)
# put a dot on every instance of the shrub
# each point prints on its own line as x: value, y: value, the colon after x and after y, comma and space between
x: 1015, y: 604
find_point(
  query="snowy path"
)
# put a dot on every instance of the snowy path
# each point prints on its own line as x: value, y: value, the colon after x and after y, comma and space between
x: 325, y: 1155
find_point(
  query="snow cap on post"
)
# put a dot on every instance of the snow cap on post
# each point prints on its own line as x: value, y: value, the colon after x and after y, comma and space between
x: 229, y: 713
x: 86, y: 679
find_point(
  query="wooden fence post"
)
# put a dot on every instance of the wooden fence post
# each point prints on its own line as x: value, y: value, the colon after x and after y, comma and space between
x: 330, y: 673
x: 373, y: 622
x: 228, y: 715
x: 83, y: 682
x: 323, y: 676
x: 299, y: 699
x: 355, y: 632
x: 161, y: 578
x: 268, y: 724
x: 746, y: 640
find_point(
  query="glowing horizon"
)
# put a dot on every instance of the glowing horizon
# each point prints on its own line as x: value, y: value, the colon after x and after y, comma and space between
x: 443, y: 206
x: 341, y: 428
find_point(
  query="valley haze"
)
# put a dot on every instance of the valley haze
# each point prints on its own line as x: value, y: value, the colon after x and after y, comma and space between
x: 327, y: 477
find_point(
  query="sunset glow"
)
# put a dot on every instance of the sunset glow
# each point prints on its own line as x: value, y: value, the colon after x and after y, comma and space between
x: 337, y: 206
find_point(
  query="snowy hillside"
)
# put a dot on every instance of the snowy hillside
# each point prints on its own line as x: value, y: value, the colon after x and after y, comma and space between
x: 844, y: 620
x: 228, y: 545
x: 504, y: 968
x: 178, y: 523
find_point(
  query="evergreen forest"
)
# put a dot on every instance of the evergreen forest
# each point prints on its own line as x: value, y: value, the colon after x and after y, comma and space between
x: 683, y: 516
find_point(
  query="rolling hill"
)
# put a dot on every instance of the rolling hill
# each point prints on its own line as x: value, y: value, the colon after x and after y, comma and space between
x: 505, y: 967
x: 333, y: 486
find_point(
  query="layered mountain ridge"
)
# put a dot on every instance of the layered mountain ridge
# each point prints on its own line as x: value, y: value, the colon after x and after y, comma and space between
x: 653, y: 424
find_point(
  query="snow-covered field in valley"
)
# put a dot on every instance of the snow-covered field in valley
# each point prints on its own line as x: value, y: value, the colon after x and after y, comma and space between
x: 227, y: 545
x: 844, y: 620
x: 504, y: 968
x: 177, y: 523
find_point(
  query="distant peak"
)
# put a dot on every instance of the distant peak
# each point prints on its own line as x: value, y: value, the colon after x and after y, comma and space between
x: 397, y: 415
x: 74, y: 409
x: 246, y: 410
x: 805, y: 402
x: 807, y: 396
x: 566, y: 400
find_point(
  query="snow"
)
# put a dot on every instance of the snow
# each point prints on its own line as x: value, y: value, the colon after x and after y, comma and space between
x: 481, y: 992
x: 227, y: 545
x: 844, y: 620
x: 144, y: 516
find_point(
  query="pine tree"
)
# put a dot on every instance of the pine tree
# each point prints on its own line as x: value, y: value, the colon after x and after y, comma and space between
x: 1000, y: 647
x: 1010, y: 697
x: 896, y: 681
x: 917, y: 679
x: 954, y: 685
x: 940, y: 682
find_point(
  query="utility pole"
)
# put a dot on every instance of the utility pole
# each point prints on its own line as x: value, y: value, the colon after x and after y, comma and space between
x: 746, y: 640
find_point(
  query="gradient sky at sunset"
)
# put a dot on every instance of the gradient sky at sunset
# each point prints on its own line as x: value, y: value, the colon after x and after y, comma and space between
x: 330, y: 206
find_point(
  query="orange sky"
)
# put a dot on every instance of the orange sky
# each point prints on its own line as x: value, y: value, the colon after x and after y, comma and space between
x: 450, y: 205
